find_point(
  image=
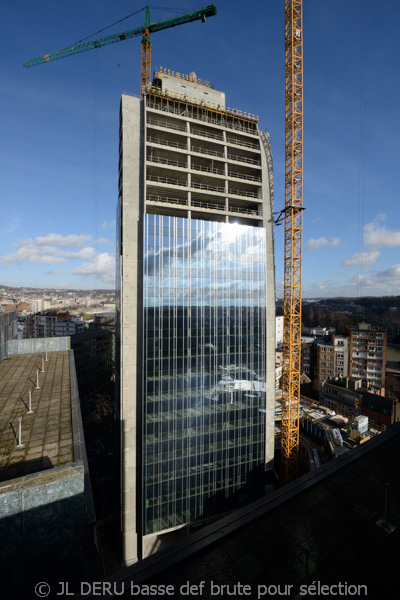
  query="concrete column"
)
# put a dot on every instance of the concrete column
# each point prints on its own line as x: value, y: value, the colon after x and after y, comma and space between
x: 131, y: 196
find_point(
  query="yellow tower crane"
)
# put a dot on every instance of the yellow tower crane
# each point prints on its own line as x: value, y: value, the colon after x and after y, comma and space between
x: 293, y: 214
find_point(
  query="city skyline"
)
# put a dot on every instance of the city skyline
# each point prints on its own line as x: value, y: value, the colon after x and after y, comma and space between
x: 60, y: 124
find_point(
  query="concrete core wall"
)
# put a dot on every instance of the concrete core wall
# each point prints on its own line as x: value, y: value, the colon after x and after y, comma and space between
x: 268, y: 223
x: 130, y: 218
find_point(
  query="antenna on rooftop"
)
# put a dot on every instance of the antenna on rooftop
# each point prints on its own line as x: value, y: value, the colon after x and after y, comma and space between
x: 30, y: 411
x: 20, y: 444
x: 384, y: 523
x: 18, y: 436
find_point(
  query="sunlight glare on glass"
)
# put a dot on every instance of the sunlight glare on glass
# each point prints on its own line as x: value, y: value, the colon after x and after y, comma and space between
x: 230, y: 232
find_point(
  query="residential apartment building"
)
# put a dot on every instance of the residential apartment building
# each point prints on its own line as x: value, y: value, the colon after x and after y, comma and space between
x: 40, y: 326
x: 367, y: 356
x: 69, y: 326
x: 196, y: 309
x: 332, y: 359
x: 52, y: 325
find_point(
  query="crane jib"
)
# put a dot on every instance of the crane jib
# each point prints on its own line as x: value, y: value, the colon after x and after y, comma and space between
x: 209, y: 11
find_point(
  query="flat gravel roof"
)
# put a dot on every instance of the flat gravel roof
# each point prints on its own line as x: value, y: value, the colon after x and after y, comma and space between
x: 47, y: 436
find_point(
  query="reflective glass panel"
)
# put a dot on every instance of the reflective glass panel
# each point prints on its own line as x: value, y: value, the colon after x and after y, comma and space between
x: 204, y: 367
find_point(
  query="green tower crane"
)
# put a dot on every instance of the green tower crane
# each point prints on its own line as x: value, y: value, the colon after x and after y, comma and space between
x: 145, y: 31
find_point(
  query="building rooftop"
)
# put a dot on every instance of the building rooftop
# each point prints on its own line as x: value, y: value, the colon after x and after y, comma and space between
x: 393, y: 366
x: 47, y: 434
x: 330, y: 514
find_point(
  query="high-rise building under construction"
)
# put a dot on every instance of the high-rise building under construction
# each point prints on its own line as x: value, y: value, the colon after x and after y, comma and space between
x: 196, y: 312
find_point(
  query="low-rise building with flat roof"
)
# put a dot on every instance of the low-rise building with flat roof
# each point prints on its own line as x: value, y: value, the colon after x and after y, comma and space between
x: 346, y: 396
x: 45, y: 497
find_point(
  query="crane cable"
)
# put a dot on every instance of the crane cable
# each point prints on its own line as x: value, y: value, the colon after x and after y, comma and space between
x: 104, y: 29
x: 359, y: 280
x: 95, y: 162
x: 175, y: 10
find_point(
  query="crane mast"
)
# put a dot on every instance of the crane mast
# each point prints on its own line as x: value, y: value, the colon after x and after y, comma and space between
x: 145, y: 60
x: 293, y: 238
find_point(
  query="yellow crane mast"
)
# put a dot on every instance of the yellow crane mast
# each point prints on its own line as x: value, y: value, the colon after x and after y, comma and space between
x: 293, y: 238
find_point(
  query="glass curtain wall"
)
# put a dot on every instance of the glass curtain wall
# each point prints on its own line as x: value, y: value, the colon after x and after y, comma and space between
x: 204, y: 367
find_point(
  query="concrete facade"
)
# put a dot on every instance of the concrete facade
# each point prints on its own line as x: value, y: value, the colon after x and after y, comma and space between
x: 127, y: 336
x: 46, y: 506
x: 181, y: 154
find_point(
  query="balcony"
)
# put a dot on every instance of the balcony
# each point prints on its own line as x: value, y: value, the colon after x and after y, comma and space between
x: 220, y: 206
x: 207, y: 134
x: 242, y: 142
x: 167, y: 161
x: 164, y: 199
x: 166, y: 180
x: 244, y: 176
x: 166, y: 142
x: 208, y: 188
x: 173, y: 125
x: 207, y: 151
x: 244, y: 159
x: 206, y: 169
x: 244, y: 193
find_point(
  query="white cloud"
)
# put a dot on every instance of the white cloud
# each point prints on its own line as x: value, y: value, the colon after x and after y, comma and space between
x: 314, y: 245
x: 84, y: 254
x: 56, y: 272
x: 379, y: 283
x: 102, y: 268
x: 390, y: 275
x: 65, y: 241
x: 102, y: 240
x: 46, y: 254
x: 53, y: 248
x: 107, y: 224
x: 376, y: 235
x: 362, y: 259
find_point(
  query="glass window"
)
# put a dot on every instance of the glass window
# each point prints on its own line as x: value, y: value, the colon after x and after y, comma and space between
x: 204, y: 359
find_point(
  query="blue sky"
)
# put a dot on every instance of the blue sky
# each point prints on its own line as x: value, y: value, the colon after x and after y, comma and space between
x: 59, y: 132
